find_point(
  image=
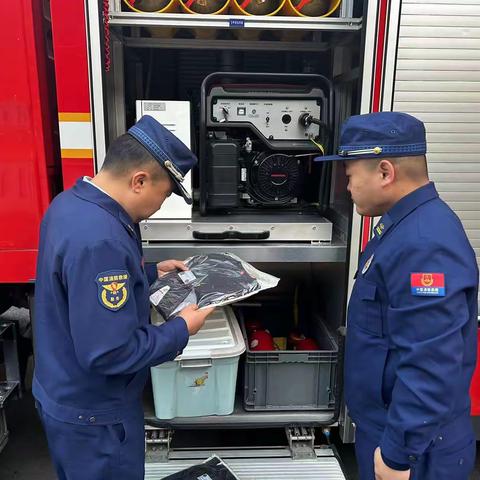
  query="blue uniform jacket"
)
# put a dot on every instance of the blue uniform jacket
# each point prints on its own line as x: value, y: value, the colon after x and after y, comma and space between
x: 93, y: 340
x: 412, y: 324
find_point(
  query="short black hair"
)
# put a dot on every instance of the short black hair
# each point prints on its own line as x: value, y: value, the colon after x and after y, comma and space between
x: 126, y: 154
x: 414, y: 166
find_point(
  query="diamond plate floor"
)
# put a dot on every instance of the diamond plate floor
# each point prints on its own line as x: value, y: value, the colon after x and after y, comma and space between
x: 254, y: 467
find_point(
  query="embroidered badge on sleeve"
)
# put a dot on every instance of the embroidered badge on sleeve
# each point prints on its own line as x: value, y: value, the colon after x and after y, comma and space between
x: 113, y: 289
x: 427, y: 284
x: 367, y: 265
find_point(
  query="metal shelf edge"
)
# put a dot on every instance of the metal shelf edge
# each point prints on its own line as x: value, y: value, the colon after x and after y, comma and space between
x: 126, y: 19
x: 261, y: 252
x: 246, y: 420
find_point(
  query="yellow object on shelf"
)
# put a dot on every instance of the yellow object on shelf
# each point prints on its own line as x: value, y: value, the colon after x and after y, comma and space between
x: 257, y: 7
x: 205, y: 7
x: 152, y: 6
x: 311, y: 8
x: 280, y: 343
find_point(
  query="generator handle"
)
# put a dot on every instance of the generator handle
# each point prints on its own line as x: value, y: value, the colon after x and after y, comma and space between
x: 231, y: 235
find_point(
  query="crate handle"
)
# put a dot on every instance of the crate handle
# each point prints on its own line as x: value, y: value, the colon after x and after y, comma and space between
x: 293, y: 357
x: 203, y: 363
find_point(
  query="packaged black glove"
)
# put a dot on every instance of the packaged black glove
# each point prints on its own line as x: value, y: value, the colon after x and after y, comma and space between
x: 212, y: 469
x: 212, y: 280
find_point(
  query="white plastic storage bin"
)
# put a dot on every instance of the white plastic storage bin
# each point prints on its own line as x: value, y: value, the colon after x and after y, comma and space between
x: 202, y: 380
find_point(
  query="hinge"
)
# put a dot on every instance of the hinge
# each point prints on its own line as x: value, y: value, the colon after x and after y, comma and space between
x: 157, y: 443
x: 301, y: 441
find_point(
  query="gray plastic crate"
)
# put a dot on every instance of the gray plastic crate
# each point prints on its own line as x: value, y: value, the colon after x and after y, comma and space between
x: 292, y: 380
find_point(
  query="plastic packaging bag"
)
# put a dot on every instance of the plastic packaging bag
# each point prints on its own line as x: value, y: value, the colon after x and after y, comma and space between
x: 212, y: 469
x: 212, y: 281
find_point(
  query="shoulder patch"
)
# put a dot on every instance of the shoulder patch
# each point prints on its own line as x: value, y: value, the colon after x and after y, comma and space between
x: 113, y: 289
x: 427, y: 284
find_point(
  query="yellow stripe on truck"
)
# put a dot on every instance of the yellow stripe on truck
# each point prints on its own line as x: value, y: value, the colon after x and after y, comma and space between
x: 77, y: 153
x: 74, y: 117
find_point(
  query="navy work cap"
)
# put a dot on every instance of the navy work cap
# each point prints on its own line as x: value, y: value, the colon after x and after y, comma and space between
x: 380, y: 135
x: 170, y: 152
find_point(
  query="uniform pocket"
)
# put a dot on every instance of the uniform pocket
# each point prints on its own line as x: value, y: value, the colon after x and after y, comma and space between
x: 365, y: 309
x: 118, y: 432
x: 366, y: 354
x: 448, y: 464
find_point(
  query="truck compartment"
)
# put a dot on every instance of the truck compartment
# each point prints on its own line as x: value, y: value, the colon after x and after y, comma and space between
x: 256, y: 179
x: 280, y: 387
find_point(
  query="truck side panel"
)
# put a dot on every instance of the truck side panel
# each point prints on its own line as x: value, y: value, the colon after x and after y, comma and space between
x: 27, y: 152
x: 71, y: 67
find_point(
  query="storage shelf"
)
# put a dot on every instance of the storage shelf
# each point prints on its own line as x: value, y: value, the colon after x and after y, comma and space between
x: 240, y: 418
x: 263, y: 252
x: 132, y: 19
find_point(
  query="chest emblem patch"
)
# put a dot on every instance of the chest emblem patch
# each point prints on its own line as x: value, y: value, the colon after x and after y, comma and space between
x: 367, y: 265
x: 427, y: 284
x: 113, y: 289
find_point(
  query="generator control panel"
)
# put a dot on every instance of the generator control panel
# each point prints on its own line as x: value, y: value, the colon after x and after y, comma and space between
x: 275, y: 119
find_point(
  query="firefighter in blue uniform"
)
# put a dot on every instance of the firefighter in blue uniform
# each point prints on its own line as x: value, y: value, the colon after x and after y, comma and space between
x: 93, y: 339
x: 412, y: 316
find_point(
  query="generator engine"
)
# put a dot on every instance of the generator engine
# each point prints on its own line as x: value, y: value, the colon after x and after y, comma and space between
x: 258, y: 136
x: 272, y: 178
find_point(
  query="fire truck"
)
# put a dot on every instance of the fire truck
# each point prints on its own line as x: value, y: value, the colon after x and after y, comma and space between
x: 255, y: 97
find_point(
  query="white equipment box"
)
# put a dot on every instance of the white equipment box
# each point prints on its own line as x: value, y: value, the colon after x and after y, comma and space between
x: 175, y: 116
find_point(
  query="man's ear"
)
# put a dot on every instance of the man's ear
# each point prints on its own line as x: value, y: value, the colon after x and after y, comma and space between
x: 138, y: 180
x: 387, y: 170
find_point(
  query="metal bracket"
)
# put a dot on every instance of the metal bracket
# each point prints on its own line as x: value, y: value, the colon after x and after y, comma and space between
x: 6, y: 389
x: 157, y: 443
x: 301, y: 441
x: 9, y: 354
x: 115, y: 6
x: 3, y: 430
x: 347, y: 428
x: 346, y: 9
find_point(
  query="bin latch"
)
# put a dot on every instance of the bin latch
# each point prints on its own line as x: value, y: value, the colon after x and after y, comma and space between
x: 157, y: 443
x: 301, y: 441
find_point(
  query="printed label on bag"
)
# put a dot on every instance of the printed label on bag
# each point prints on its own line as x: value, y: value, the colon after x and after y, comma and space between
x: 156, y: 297
x: 187, y: 277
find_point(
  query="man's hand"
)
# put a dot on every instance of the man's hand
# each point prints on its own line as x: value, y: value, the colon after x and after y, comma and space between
x: 169, y: 266
x: 383, y: 472
x: 195, y: 318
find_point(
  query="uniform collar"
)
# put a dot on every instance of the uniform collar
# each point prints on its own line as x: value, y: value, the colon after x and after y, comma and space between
x: 89, y: 192
x: 404, y: 207
x: 89, y: 180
